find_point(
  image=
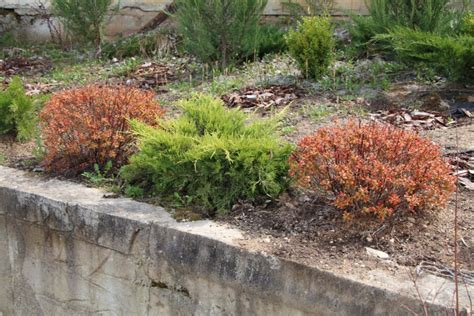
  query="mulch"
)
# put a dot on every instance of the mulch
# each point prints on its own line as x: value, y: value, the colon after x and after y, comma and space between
x: 266, y: 98
x: 24, y: 65
x: 463, y: 164
x: 153, y: 75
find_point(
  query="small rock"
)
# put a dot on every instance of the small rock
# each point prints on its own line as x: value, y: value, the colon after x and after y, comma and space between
x: 418, y: 115
x: 111, y: 196
x: 38, y: 169
x: 468, y: 184
x: 443, y: 105
x: 304, y: 199
x: 266, y: 95
x: 290, y: 205
x: 342, y: 35
x: 360, y: 100
x: 411, y: 220
x: 376, y: 253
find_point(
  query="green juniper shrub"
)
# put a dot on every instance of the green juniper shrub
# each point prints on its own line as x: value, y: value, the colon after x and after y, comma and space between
x: 224, y: 31
x: 7, y: 39
x: 17, y: 111
x: 84, y: 19
x: 467, y: 26
x: 452, y: 57
x: 271, y: 39
x: 311, y: 44
x: 211, y: 155
x: 362, y: 30
x: 436, y: 16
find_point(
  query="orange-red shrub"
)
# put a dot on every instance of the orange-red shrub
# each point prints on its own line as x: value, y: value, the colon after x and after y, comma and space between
x: 89, y: 125
x: 373, y: 169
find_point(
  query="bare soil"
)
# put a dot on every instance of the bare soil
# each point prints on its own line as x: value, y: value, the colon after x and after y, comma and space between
x: 307, y: 229
x: 16, y: 154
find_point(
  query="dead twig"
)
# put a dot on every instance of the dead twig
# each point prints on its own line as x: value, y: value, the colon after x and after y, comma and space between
x: 55, y: 30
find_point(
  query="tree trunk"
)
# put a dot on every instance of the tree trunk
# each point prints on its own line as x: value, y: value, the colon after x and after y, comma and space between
x: 159, y: 18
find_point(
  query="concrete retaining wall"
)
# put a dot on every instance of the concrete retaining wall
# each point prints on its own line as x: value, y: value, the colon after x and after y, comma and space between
x: 66, y: 250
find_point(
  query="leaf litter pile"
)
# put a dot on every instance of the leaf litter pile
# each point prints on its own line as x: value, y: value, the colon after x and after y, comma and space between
x: 152, y: 75
x: 252, y: 98
x: 422, y: 120
x: 20, y: 65
x: 463, y: 162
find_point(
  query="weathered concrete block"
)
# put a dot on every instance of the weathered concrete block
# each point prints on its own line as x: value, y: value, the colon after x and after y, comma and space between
x: 66, y: 250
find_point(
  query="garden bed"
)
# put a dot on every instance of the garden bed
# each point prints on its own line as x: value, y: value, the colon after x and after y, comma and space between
x: 322, y: 149
x: 304, y: 227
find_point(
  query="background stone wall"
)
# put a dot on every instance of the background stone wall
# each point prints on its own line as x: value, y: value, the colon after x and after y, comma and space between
x: 21, y: 16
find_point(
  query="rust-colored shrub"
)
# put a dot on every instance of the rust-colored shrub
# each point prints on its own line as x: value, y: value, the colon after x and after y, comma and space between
x: 373, y: 169
x: 90, y: 125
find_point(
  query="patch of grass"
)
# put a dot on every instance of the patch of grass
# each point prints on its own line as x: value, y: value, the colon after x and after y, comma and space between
x: 99, y: 177
x: 126, y: 67
x: 50, y: 51
x: 425, y: 73
x: 353, y: 110
x: 7, y: 39
x: 350, y: 77
x: 3, y: 159
x: 183, y: 86
x: 348, y: 97
x: 319, y: 112
x: 30, y: 163
x: 134, y: 192
x: 287, y: 130
x: 224, y: 84
x: 186, y: 214
x: 78, y: 74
